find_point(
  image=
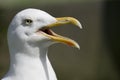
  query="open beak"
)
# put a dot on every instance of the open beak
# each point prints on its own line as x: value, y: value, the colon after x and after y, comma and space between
x: 58, y: 38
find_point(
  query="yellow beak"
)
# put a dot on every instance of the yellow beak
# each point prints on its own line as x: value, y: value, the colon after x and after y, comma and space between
x: 66, y: 20
x: 61, y: 39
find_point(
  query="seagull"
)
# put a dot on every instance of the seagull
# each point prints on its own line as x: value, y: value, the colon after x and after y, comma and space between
x: 29, y: 36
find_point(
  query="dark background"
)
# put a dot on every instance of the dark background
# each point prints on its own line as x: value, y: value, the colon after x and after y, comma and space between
x: 99, y: 57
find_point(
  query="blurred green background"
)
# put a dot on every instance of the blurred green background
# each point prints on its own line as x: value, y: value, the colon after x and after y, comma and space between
x: 99, y: 57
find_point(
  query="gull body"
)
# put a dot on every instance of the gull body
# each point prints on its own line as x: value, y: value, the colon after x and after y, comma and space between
x: 28, y: 45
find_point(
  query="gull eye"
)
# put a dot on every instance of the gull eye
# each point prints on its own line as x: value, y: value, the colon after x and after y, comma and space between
x: 28, y: 21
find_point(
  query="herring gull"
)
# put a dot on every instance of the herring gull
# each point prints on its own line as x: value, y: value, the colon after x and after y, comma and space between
x: 29, y: 36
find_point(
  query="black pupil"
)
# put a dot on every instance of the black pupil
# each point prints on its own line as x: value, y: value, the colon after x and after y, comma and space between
x: 29, y: 21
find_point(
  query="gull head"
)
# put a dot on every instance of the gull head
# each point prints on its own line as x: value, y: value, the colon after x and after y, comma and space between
x: 33, y: 27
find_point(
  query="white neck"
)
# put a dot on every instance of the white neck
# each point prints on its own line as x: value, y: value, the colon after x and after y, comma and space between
x: 36, y: 66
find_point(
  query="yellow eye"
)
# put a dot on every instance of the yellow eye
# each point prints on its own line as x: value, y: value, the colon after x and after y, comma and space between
x: 28, y: 21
